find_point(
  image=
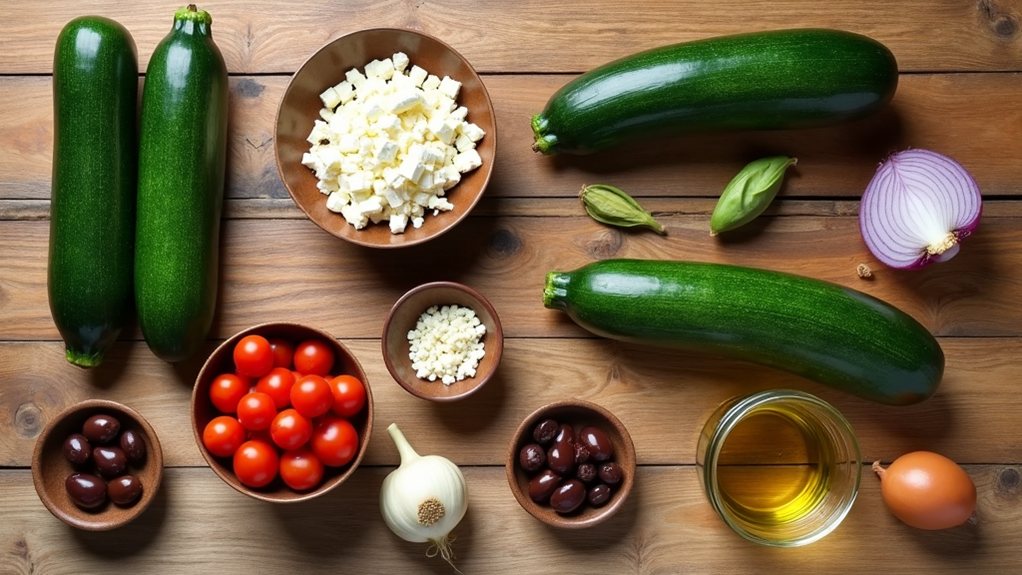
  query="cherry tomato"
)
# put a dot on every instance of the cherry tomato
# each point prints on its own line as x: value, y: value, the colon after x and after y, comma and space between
x: 223, y: 436
x: 300, y: 469
x: 253, y: 356
x: 277, y: 384
x: 311, y: 396
x: 290, y: 429
x: 256, y: 463
x: 256, y: 411
x: 283, y: 352
x: 227, y: 390
x: 349, y: 395
x: 314, y: 357
x: 335, y: 441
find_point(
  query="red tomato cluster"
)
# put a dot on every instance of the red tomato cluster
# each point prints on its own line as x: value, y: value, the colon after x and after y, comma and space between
x: 284, y: 413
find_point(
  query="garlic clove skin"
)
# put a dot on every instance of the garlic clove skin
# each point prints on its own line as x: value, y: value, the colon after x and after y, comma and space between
x: 425, y: 498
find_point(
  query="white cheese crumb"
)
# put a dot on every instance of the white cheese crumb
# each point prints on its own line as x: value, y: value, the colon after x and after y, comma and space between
x: 447, y: 344
x: 391, y: 143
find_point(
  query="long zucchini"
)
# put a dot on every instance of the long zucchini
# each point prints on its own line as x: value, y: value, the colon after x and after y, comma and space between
x: 92, y: 200
x: 182, y: 156
x: 763, y: 80
x: 822, y: 331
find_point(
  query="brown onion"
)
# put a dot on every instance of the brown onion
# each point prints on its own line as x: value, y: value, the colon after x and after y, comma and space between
x: 927, y: 490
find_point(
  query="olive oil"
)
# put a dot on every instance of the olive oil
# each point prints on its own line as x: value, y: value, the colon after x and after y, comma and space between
x: 780, y: 467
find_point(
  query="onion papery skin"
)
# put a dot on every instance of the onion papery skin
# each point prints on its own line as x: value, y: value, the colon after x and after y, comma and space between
x: 917, y: 209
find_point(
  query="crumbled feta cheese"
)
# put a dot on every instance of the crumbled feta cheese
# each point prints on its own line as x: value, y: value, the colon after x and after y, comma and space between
x: 390, y: 143
x: 447, y: 344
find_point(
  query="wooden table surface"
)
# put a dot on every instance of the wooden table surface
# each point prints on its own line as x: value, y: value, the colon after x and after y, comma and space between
x: 960, y: 93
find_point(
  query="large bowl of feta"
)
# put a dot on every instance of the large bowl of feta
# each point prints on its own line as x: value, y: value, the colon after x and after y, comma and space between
x: 386, y: 137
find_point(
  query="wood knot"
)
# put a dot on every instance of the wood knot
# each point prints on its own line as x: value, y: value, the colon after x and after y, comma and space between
x: 606, y: 245
x: 249, y: 88
x: 1009, y: 480
x: 1001, y: 23
x: 505, y: 243
x: 28, y: 420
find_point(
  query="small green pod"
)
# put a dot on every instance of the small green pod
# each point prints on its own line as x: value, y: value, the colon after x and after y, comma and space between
x: 612, y: 206
x: 749, y: 193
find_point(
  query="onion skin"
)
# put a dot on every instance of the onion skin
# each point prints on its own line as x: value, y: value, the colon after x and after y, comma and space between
x: 926, y: 490
x: 917, y: 209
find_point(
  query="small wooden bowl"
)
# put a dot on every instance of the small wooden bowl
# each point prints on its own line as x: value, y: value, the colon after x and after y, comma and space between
x: 579, y: 414
x: 301, y: 104
x: 50, y: 468
x: 402, y: 319
x: 222, y: 361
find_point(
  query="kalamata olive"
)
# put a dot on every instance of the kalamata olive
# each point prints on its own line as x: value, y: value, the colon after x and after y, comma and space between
x: 597, y: 442
x: 77, y: 449
x: 598, y: 495
x: 110, y: 461
x: 133, y: 446
x: 125, y: 490
x: 543, y: 485
x: 101, y: 429
x: 586, y: 472
x: 561, y: 457
x: 545, y: 431
x: 531, y: 457
x: 581, y: 453
x: 568, y: 496
x: 86, y: 490
x: 610, y: 473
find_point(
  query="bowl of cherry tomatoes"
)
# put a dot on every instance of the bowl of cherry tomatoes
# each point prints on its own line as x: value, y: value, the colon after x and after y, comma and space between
x: 282, y: 412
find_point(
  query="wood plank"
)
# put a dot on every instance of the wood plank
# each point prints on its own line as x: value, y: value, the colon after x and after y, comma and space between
x: 199, y: 524
x: 663, y: 397
x: 301, y: 273
x: 261, y: 36
x: 962, y: 116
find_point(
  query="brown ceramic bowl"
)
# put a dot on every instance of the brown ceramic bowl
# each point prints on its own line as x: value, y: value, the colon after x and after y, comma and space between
x: 222, y: 361
x: 402, y: 319
x: 50, y: 469
x: 578, y: 414
x: 301, y: 104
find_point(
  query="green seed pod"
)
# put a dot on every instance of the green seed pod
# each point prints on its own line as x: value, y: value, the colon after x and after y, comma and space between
x: 749, y: 193
x: 612, y: 206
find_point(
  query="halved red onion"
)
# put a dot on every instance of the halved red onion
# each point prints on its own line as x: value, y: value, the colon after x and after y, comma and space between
x: 917, y: 208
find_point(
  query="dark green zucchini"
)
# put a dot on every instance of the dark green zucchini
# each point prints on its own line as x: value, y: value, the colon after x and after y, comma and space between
x: 182, y: 155
x: 822, y: 331
x: 764, y: 80
x: 92, y: 200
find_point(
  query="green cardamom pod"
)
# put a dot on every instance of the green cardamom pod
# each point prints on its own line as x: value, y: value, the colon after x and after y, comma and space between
x: 612, y: 206
x: 749, y: 193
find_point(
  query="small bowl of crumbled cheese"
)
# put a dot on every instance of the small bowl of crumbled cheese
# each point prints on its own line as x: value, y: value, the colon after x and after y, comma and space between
x: 442, y: 341
x: 385, y: 137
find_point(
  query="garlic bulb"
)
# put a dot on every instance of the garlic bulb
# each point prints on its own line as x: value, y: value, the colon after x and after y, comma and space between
x: 424, y: 499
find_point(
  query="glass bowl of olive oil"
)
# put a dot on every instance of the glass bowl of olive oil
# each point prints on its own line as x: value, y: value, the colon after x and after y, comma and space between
x: 780, y: 467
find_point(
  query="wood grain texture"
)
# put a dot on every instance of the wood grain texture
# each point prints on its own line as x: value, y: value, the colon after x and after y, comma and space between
x: 663, y: 397
x: 533, y: 36
x: 963, y: 116
x: 665, y: 527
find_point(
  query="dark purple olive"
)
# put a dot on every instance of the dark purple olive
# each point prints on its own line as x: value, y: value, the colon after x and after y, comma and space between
x: 86, y: 490
x: 610, y: 473
x: 568, y: 496
x: 586, y: 472
x: 545, y: 431
x: 110, y: 461
x: 531, y: 457
x: 133, y: 446
x: 598, y: 495
x: 77, y: 449
x: 597, y: 442
x: 101, y: 429
x: 125, y: 490
x: 561, y: 457
x: 543, y: 485
x: 581, y: 453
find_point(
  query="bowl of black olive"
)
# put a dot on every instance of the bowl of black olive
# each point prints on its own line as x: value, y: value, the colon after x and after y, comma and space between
x: 571, y: 464
x: 97, y: 465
